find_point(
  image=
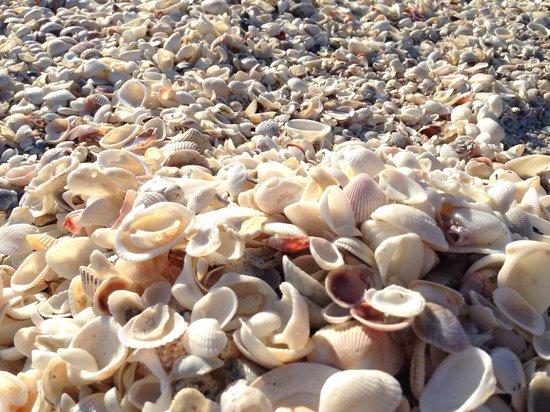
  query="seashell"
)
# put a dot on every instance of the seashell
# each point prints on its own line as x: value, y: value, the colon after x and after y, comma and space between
x: 69, y: 254
x: 14, y: 391
x: 353, y: 389
x: 306, y: 215
x: 8, y: 200
x: 152, y: 231
x: 409, y: 219
x: 530, y: 165
x: 95, y: 353
x: 351, y: 345
x: 21, y: 175
x: 267, y: 128
x: 204, y: 337
x: 124, y: 305
x: 401, y: 188
x: 30, y: 273
x: 190, y: 399
x: 122, y: 159
x: 509, y: 375
x: 439, y: 327
x: 346, y: 284
x: 189, y: 366
x: 309, y: 130
x: 275, y: 194
x: 539, y: 392
x: 116, y: 138
x: 132, y: 94
x: 13, y: 239
x: 400, y: 259
x: 283, y: 229
x: 357, y: 248
x: 219, y: 304
x: 306, y: 284
x: 337, y: 212
x: 295, y: 318
x: 463, y: 381
x: 326, y: 255
x: 395, y: 301
x: 364, y: 196
x: 518, y: 310
x: 439, y: 294
x: 239, y: 397
x: 524, y: 270
x: 294, y: 386
x: 152, y: 328
x: 204, y: 242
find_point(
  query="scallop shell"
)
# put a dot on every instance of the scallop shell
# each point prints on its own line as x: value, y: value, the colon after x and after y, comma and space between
x: 326, y: 255
x: 152, y: 328
x: 409, y: 219
x: 152, y: 231
x: 354, y: 389
x: 357, y: 248
x: 518, y: 310
x: 400, y: 187
x: 364, y: 196
x: 295, y: 386
x: 462, y: 382
x: 351, y: 345
x: 95, y: 353
x: 204, y: 337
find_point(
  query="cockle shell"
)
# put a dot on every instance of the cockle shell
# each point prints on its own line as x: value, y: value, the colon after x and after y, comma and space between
x: 346, y: 284
x: 364, y: 196
x: 529, y: 166
x: 351, y: 345
x: 13, y: 239
x: 152, y: 231
x: 400, y: 259
x: 239, y: 397
x: 409, y: 219
x: 306, y: 129
x: 353, y: 390
x: 274, y: 194
x: 326, y: 255
x: 116, y: 138
x: 462, y: 382
x: 132, y: 94
x: 204, y: 337
x: 190, y: 399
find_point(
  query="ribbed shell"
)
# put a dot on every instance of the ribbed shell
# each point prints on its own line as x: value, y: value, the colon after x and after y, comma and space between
x: 364, y: 196
x: 351, y: 345
x: 409, y: 219
x: 204, y: 337
x: 13, y: 239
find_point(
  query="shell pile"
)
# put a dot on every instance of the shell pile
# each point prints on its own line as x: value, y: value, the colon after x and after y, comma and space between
x: 260, y: 205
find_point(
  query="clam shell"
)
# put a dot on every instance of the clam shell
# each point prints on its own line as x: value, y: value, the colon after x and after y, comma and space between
x: 462, y: 382
x: 220, y: 304
x: 524, y: 270
x: 124, y: 305
x: 409, y: 219
x: 204, y: 242
x: 295, y: 386
x: 275, y: 194
x: 364, y: 196
x: 14, y: 391
x: 69, y: 254
x: 530, y: 165
x: 116, y: 138
x: 357, y: 248
x: 439, y: 294
x: 306, y: 284
x: 346, y: 284
x: 133, y: 94
x: 354, y: 389
x: 30, y: 273
x: 518, y: 310
x: 509, y: 374
x: 439, y: 327
x: 351, y: 345
x: 238, y: 397
x: 306, y: 215
x: 309, y: 130
x: 400, y: 258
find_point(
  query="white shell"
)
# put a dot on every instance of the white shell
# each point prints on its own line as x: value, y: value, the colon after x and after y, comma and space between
x: 239, y: 397
x: 462, y: 382
x: 400, y: 187
x: 219, y: 303
x: 364, y: 196
x: 396, y: 301
x: 337, y: 212
x: 357, y: 390
x: 326, y: 255
x: 518, y: 310
x: 204, y: 337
